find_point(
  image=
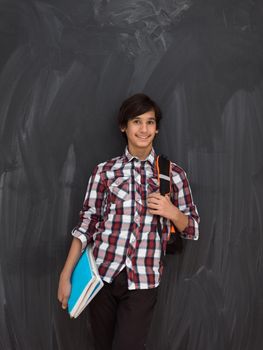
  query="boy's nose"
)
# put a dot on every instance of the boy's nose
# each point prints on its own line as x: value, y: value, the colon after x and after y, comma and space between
x: 143, y: 127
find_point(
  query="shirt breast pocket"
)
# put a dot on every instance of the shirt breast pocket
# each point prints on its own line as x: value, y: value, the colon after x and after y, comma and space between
x: 119, y: 190
x: 153, y: 185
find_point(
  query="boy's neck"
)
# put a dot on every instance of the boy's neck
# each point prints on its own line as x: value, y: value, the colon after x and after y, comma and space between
x: 142, y: 154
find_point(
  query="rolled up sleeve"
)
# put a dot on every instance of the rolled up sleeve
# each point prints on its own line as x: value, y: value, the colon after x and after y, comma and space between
x: 91, y: 211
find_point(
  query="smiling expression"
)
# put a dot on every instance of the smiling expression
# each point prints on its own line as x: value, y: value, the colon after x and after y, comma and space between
x: 141, y: 131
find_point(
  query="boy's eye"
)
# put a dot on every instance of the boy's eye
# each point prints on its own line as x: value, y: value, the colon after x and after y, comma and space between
x: 137, y: 121
x: 149, y: 122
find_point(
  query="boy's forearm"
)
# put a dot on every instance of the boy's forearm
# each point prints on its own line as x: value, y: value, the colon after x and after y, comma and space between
x: 72, y: 258
x: 180, y: 220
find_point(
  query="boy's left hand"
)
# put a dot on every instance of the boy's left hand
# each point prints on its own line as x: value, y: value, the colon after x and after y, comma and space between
x: 161, y: 205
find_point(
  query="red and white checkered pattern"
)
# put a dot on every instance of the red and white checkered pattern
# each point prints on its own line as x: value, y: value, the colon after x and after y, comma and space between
x: 115, y: 218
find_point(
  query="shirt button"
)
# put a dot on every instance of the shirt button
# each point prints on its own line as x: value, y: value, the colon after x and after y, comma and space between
x: 132, y: 239
x: 128, y: 263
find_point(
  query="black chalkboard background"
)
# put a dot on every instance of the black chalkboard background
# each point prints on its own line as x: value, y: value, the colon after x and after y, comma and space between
x: 65, y: 67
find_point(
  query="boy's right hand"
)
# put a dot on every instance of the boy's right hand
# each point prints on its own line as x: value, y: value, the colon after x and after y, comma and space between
x: 64, y: 289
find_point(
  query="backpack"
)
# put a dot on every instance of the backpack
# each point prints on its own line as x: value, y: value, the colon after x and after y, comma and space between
x: 175, y: 242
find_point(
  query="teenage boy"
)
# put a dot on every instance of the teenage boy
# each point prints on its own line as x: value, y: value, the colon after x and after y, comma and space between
x: 119, y: 217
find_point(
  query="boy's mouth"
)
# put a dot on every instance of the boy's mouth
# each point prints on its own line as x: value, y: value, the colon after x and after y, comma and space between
x: 143, y: 137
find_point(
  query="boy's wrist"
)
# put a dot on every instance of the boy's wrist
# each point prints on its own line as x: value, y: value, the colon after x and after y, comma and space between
x: 175, y: 216
x: 65, y: 274
x: 180, y: 220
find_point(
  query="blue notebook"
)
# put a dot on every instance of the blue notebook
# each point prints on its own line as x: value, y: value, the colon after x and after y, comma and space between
x: 85, y: 283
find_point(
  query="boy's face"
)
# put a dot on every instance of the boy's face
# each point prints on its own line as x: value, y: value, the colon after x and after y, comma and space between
x: 141, y: 131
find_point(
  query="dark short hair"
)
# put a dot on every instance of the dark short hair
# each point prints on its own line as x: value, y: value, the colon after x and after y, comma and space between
x: 136, y: 105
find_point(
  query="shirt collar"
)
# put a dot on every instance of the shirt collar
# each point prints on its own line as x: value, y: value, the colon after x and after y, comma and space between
x: 150, y: 158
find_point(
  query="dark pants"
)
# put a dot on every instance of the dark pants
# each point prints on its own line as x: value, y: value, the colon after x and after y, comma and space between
x: 121, y: 318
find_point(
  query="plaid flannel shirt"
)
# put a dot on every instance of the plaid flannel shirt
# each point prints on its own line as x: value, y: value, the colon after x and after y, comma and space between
x: 115, y: 218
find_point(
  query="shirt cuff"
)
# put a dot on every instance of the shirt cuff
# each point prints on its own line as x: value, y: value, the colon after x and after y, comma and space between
x: 192, y: 229
x: 82, y: 237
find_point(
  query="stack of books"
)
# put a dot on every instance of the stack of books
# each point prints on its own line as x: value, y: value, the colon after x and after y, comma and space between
x: 85, y: 283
